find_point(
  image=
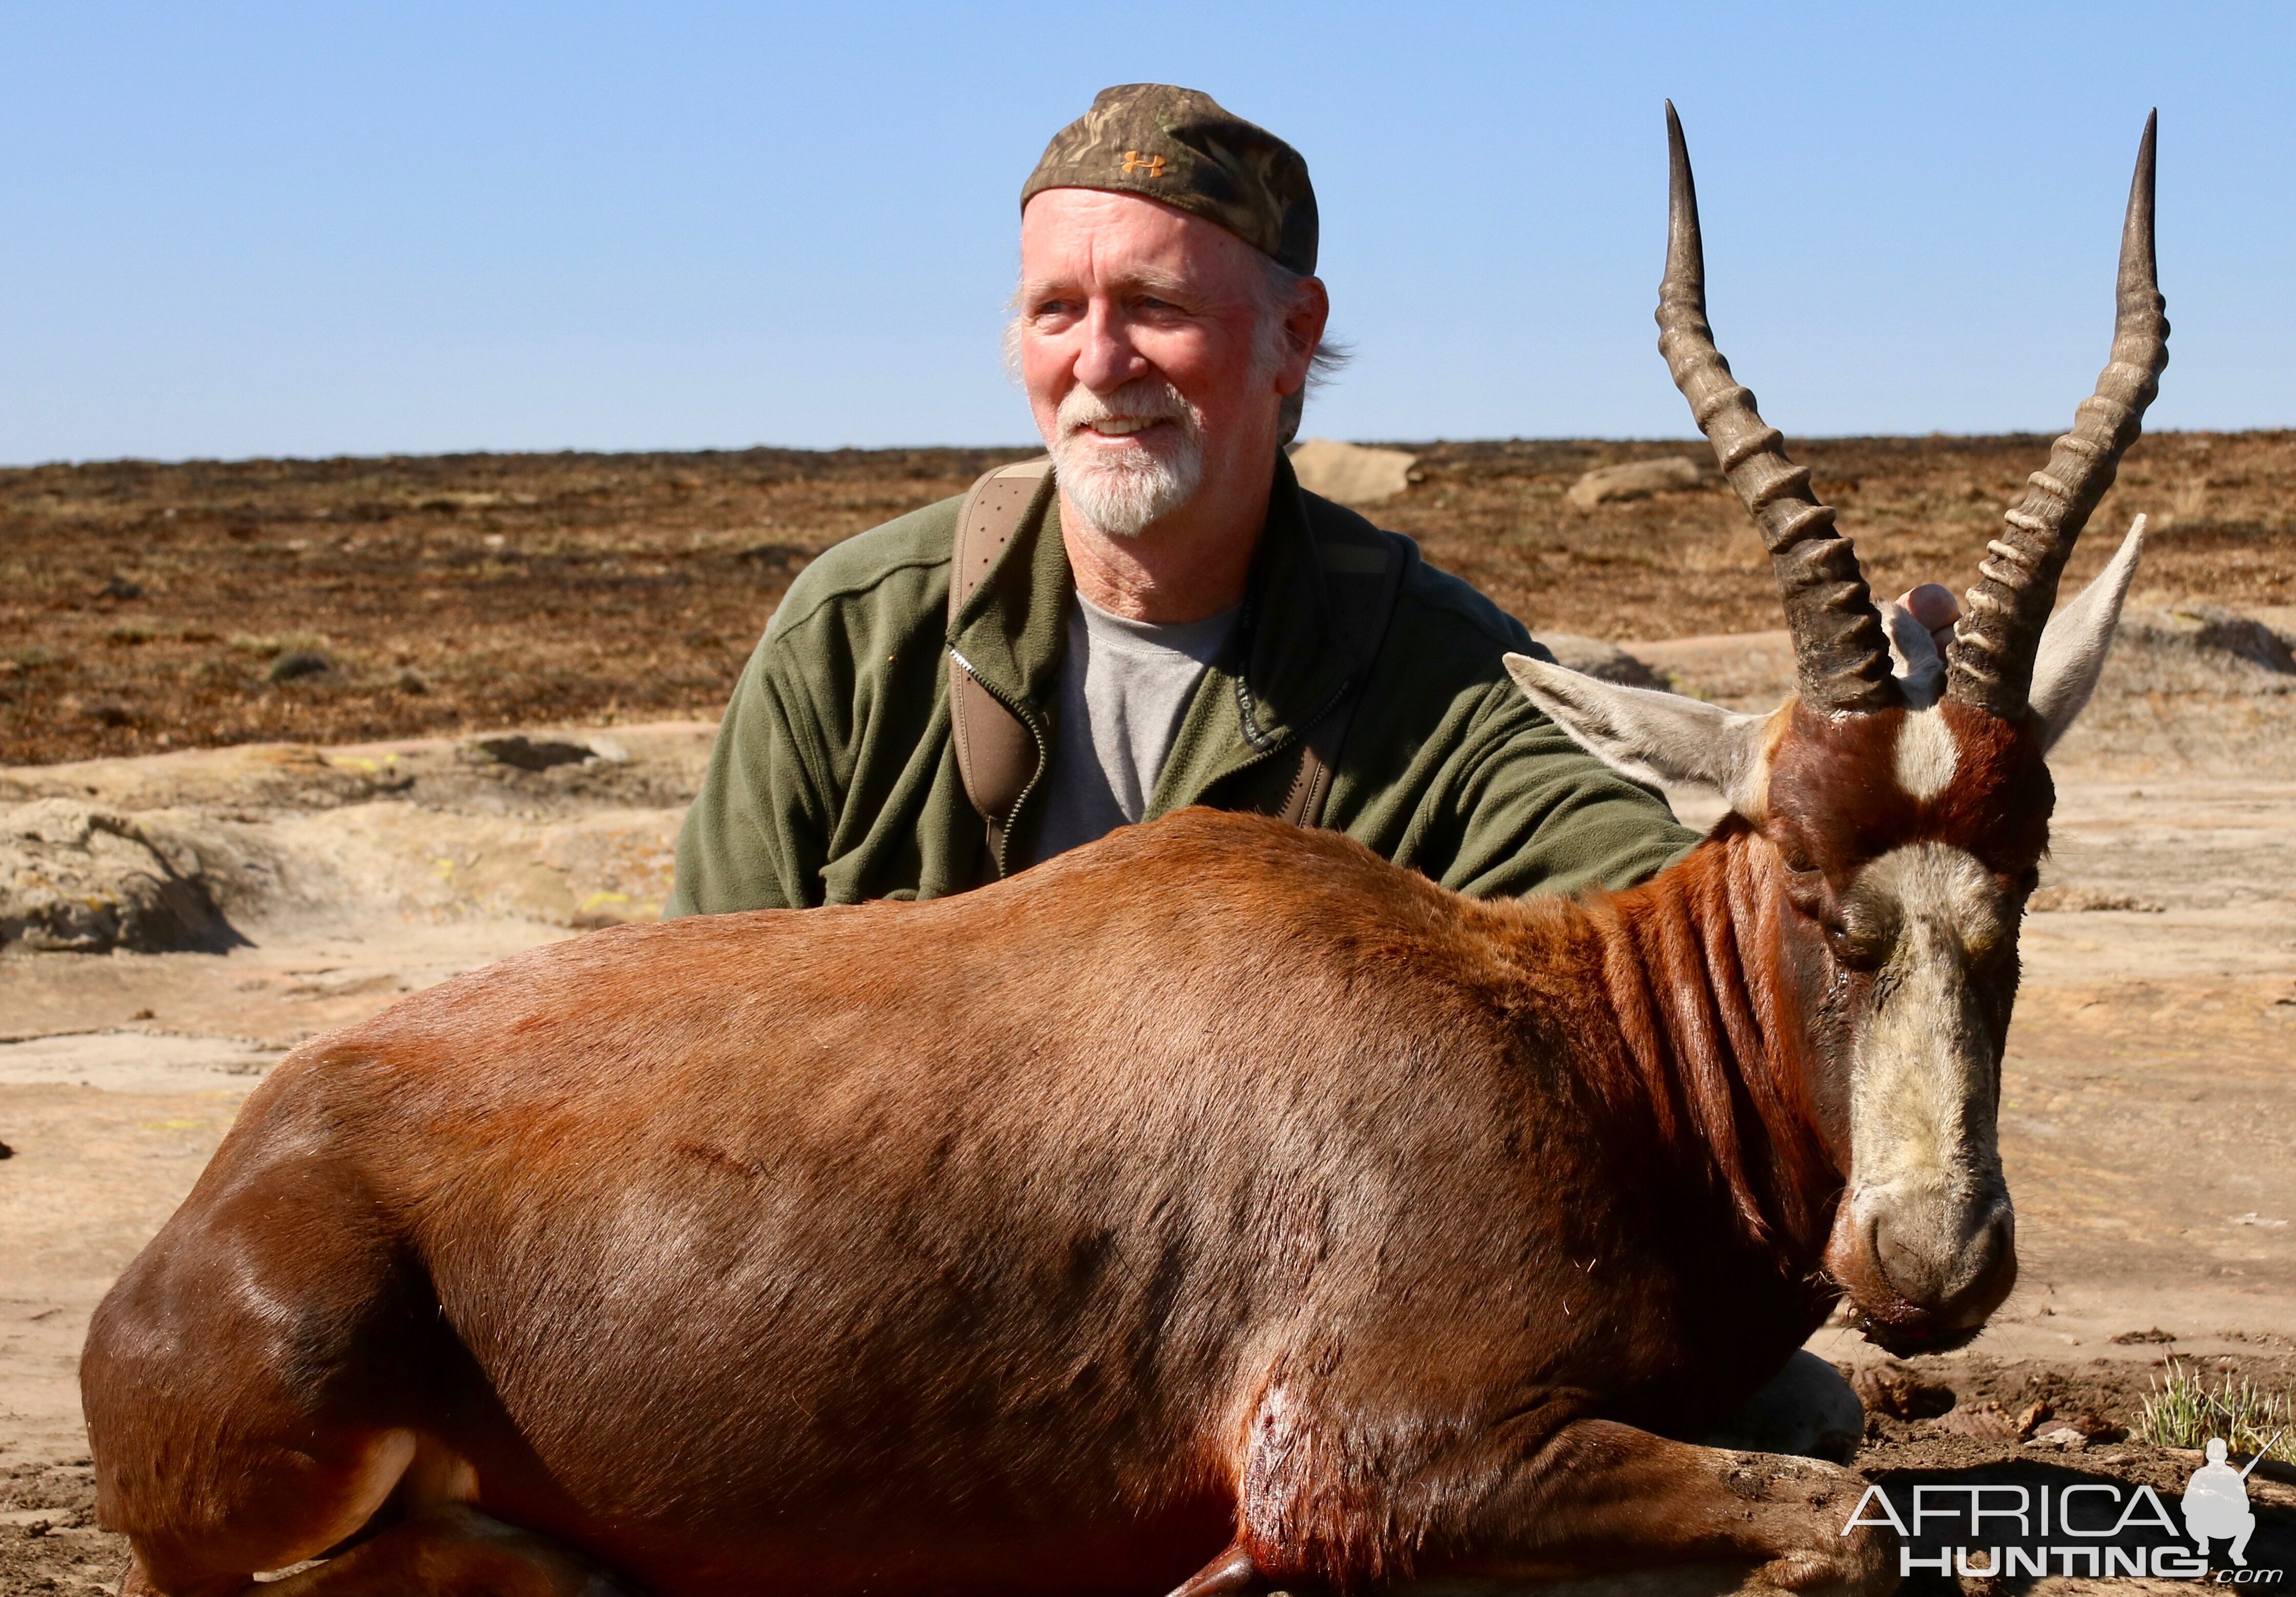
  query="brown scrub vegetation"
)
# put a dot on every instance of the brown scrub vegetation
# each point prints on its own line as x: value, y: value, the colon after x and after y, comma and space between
x: 145, y: 606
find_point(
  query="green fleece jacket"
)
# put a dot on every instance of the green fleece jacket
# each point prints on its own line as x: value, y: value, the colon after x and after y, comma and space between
x: 834, y: 779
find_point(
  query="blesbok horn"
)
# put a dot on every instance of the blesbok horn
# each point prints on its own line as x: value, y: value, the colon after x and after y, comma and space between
x: 1841, y: 656
x: 1990, y: 665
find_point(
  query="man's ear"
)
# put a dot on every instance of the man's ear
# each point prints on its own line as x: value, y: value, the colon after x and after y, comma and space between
x: 2076, y: 639
x: 1303, y: 331
x: 1654, y: 737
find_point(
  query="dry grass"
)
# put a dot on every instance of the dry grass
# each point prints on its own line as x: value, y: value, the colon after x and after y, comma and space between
x: 146, y: 606
x: 2185, y: 1410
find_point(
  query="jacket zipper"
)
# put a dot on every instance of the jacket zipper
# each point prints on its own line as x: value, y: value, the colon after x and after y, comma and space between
x: 1297, y: 734
x: 1245, y: 697
x: 1043, y: 758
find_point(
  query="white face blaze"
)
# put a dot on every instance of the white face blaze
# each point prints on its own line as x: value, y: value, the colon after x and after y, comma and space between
x: 1926, y: 1185
x: 1926, y: 755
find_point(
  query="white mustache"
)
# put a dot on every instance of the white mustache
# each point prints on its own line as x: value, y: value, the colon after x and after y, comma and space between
x: 1138, y: 403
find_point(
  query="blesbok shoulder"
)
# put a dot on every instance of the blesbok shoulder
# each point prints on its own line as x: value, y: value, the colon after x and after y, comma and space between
x: 1217, y: 1205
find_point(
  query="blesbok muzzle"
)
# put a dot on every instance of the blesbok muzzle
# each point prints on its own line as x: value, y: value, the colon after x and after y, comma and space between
x: 1925, y: 1270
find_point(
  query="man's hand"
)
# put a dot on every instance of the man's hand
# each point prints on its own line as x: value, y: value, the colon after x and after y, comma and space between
x: 1933, y: 605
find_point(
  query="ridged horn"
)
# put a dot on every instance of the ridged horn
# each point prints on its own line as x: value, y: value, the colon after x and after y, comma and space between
x: 1842, y: 657
x: 1990, y: 665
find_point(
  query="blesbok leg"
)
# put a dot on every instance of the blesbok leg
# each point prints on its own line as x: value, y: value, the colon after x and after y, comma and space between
x: 309, y: 1415
x: 451, y: 1551
x: 1524, y: 1502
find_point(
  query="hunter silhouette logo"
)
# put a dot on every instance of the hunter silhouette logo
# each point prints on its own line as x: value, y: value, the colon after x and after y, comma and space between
x: 2216, y: 1502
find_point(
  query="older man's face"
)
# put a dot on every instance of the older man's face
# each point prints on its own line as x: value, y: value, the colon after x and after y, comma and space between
x: 1144, y: 352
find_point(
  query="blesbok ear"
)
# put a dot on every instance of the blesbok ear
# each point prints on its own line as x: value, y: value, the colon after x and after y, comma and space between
x: 2075, y: 642
x: 1652, y: 737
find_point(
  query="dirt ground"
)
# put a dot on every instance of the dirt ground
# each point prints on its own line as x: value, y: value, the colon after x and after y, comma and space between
x: 148, y: 606
x: 2149, y: 1104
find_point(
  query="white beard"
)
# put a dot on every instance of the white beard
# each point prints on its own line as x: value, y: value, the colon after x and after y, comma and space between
x: 1123, y: 492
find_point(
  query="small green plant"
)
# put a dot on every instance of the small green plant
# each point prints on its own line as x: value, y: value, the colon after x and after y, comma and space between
x: 2184, y: 1410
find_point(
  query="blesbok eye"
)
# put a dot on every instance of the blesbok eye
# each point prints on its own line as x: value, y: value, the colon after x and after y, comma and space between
x: 1863, y: 935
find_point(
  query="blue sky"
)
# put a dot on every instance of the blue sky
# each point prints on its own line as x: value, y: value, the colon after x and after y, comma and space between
x: 324, y: 228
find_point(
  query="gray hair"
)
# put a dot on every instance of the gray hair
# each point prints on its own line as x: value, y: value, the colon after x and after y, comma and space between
x: 1278, y: 296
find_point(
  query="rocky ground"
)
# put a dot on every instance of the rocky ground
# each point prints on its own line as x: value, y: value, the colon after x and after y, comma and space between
x: 172, y: 921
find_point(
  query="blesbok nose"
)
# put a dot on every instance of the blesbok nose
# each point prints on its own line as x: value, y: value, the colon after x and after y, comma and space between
x: 1953, y: 1263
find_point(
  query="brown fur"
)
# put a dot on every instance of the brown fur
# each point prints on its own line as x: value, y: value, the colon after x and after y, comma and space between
x: 1215, y: 1185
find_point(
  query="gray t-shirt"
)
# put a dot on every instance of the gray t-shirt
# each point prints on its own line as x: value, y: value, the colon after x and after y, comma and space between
x: 1125, y: 686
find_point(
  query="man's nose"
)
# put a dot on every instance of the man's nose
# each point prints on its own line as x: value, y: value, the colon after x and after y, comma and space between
x: 1107, y: 361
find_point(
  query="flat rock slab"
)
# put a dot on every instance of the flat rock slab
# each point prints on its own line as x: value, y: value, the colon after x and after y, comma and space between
x: 1744, y: 671
x: 136, y: 1061
x: 1606, y: 661
x: 1350, y: 473
x: 76, y: 878
x: 1637, y: 479
x: 215, y: 850
x: 655, y: 763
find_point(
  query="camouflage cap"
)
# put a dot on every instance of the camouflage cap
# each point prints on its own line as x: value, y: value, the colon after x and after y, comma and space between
x: 1179, y: 146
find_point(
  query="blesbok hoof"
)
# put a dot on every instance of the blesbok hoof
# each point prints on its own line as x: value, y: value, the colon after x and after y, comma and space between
x: 1824, y: 1499
x: 1232, y: 1573
x: 449, y: 1551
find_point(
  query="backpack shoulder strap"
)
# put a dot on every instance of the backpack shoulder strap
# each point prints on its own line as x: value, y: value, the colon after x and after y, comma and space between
x: 994, y: 754
x: 1363, y: 572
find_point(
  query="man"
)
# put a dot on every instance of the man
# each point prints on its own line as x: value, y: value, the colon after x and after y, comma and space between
x: 1172, y: 621
x: 1166, y: 618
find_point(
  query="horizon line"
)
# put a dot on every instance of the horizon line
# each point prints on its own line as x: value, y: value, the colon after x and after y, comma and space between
x: 1407, y: 444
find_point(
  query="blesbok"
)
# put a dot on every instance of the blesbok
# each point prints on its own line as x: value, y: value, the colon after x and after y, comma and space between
x: 1218, y: 1198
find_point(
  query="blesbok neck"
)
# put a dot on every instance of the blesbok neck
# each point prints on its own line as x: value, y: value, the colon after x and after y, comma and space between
x: 1695, y: 965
